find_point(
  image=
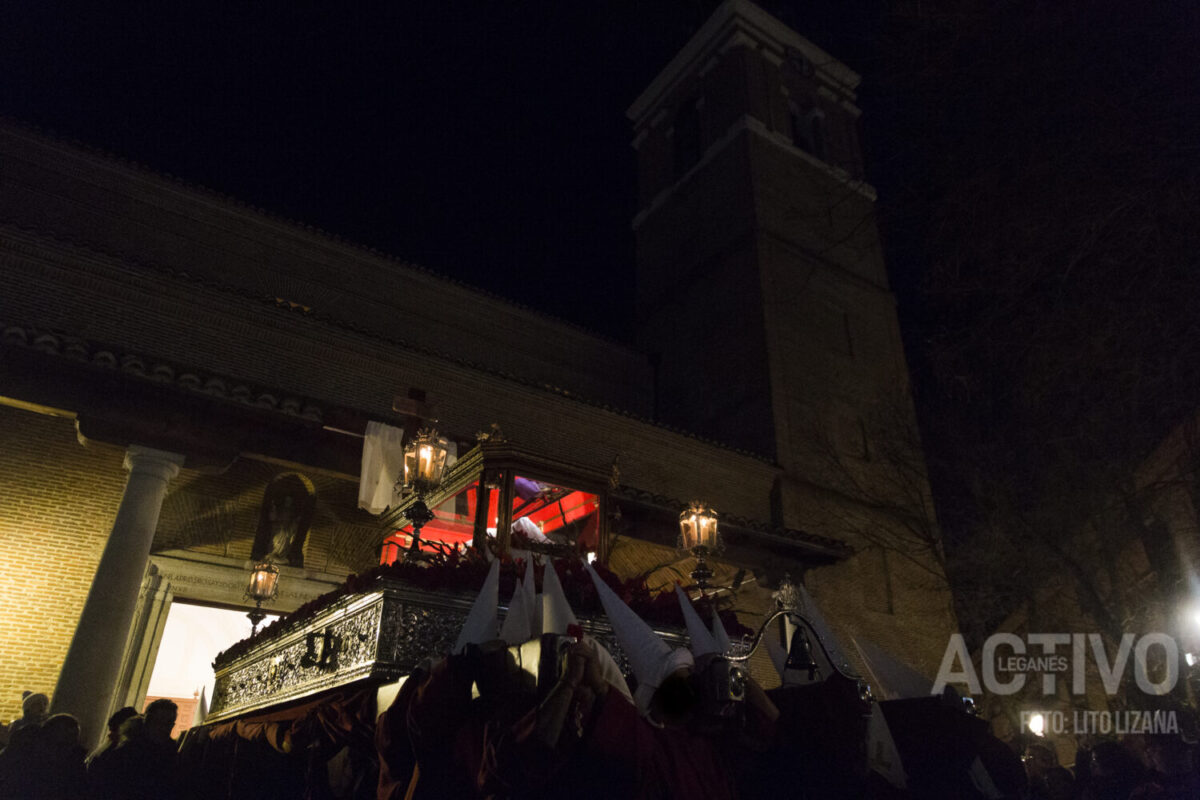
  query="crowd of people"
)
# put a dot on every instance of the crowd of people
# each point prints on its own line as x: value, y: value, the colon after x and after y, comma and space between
x: 1139, y: 767
x: 43, y: 758
x: 577, y: 731
x: 535, y: 708
x: 696, y: 727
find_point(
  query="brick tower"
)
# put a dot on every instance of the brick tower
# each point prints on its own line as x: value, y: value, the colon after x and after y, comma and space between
x: 763, y: 296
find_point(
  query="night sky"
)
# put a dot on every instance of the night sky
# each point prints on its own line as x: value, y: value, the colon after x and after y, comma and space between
x: 487, y: 141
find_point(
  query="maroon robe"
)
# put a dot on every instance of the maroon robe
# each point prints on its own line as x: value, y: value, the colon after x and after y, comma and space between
x: 396, y: 756
x: 619, y: 755
x: 439, y: 708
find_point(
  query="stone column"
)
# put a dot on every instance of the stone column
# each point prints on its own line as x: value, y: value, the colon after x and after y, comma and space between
x: 93, y: 663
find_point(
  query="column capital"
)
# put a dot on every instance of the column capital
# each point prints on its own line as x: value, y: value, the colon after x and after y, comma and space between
x: 161, y: 464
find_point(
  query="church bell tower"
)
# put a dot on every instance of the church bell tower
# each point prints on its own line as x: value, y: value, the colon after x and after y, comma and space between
x: 761, y: 288
x: 762, y: 292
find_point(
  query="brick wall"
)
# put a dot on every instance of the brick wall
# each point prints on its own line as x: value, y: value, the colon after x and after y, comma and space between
x: 57, y: 505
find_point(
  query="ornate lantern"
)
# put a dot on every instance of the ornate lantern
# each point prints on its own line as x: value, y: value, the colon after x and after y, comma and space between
x: 263, y: 586
x: 424, y: 463
x: 700, y: 535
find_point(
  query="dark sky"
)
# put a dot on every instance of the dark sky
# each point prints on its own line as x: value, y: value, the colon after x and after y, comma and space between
x: 485, y: 140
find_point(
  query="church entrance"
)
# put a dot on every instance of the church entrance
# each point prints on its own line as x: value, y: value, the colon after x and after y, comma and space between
x: 191, y: 639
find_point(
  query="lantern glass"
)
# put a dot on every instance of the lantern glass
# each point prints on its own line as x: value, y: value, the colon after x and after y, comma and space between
x: 264, y: 582
x: 698, y: 528
x: 425, y: 461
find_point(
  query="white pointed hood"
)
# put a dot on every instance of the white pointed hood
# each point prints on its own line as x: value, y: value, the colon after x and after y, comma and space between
x: 609, y: 669
x: 556, y: 611
x: 719, y: 634
x: 480, y: 626
x: 533, y: 604
x: 821, y: 628
x: 201, y: 708
x: 516, y: 629
x: 651, y: 659
x: 699, y: 639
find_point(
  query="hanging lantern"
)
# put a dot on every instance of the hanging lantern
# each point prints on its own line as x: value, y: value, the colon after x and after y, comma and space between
x: 424, y: 462
x: 698, y: 529
x: 264, y: 583
x: 699, y: 534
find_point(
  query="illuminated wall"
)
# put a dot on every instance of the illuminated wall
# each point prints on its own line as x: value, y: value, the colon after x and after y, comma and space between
x: 57, y: 504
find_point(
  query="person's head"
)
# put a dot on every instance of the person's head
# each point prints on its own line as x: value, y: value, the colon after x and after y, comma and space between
x: 114, y: 722
x: 1040, y: 759
x: 495, y: 670
x: 160, y: 718
x: 35, y: 705
x: 1058, y: 784
x: 675, y: 700
x: 1168, y: 754
x: 132, y: 728
x: 1112, y: 765
x: 61, y: 730
x: 24, y: 738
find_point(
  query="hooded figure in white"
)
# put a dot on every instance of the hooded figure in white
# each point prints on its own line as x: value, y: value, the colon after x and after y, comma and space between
x: 524, y: 619
x: 719, y: 634
x: 480, y: 626
x: 701, y: 641
x: 533, y: 602
x: 516, y: 629
x: 651, y: 659
x: 557, y: 617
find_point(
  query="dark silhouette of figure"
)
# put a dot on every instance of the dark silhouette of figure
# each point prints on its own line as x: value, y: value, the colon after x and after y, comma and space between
x: 288, y: 507
x: 1173, y: 775
x: 1047, y: 780
x: 447, y: 728
x: 1113, y: 774
x: 44, y: 762
x: 57, y: 771
x: 16, y: 759
x: 114, y: 731
x: 142, y: 765
x: 106, y: 770
x: 34, y: 706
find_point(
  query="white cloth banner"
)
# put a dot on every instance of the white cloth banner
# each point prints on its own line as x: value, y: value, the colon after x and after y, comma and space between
x: 382, y: 466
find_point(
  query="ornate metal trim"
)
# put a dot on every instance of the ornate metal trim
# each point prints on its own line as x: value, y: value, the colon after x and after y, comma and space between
x: 379, y: 635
